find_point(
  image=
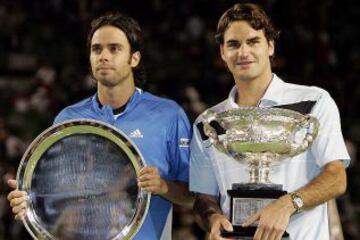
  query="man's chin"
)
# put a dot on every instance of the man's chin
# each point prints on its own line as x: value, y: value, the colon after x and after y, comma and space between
x: 245, y: 76
x: 107, y: 82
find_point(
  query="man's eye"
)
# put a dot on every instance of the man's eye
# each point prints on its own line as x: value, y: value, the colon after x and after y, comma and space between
x: 114, y: 49
x: 96, y: 50
x: 253, y: 42
x: 233, y: 45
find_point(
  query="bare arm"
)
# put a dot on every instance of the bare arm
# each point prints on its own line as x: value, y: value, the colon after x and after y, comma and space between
x: 175, y: 191
x: 330, y: 184
x: 274, y: 218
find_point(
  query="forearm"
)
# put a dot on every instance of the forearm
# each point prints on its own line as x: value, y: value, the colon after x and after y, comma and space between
x: 329, y: 184
x: 178, y: 193
x: 205, y: 207
x: 275, y: 217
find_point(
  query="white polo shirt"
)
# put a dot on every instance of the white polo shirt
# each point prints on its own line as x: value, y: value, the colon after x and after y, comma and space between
x: 213, y: 172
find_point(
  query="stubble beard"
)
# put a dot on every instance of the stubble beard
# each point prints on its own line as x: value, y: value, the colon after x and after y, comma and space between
x: 112, y: 81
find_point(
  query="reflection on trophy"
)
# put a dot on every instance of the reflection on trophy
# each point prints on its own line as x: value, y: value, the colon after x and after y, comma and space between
x: 261, y: 138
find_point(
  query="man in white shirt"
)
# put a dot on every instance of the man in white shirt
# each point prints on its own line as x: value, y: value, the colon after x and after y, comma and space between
x: 247, y: 43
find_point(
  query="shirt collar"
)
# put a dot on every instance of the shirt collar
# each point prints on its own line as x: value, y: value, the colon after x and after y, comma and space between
x: 134, y: 99
x: 272, y: 96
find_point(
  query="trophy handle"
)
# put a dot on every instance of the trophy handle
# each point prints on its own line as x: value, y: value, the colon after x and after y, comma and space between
x: 311, y: 124
x: 210, y: 116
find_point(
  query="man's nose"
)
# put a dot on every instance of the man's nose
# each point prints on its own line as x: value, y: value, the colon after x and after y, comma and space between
x: 105, y: 55
x: 244, y: 51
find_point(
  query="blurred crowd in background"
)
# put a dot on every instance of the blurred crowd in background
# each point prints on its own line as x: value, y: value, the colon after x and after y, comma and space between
x: 44, y: 67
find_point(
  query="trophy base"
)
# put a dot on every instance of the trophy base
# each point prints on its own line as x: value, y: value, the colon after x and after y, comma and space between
x: 245, y: 233
x: 246, y: 200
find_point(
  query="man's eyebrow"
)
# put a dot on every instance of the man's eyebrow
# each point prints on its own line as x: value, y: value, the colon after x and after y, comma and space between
x: 109, y: 44
x: 232, y: 41
x: 95, y: 45
x: 115, y: 45
x: 254, y: 39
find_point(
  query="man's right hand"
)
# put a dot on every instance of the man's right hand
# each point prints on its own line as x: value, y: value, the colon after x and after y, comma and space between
x: 219, y: 222
x: 17, y: 200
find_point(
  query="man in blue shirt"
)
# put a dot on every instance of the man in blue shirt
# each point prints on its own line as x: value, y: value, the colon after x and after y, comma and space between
x: 158, y: 127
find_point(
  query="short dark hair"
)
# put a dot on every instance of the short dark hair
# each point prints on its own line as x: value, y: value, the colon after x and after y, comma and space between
x: 253, y: 14
x: 133, y: 33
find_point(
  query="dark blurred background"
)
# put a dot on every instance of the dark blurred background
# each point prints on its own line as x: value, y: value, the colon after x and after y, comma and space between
x: 44, y: 67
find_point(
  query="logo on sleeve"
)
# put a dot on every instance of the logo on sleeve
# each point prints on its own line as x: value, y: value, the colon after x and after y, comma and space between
x: 136, y: 134
x: 184, y: 142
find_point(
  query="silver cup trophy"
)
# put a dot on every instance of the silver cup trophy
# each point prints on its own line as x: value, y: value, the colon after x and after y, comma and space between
x: 260, y: 138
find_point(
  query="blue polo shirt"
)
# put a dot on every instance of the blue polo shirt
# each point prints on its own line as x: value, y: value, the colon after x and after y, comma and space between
x: 161, y: 130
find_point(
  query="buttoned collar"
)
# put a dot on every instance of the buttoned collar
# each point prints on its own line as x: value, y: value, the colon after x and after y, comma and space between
x: 272, y: 96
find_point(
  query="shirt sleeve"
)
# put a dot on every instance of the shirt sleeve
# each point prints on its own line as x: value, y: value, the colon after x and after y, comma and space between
x: 202, y: 176
x: 329, y: 144
x: 178, y: 147
x: 59, y: 118
x: 62, y: 116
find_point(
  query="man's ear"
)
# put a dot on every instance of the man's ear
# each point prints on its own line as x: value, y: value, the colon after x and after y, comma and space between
x: 135, y: 59
x: 222, y: 52
x: 271, y: 48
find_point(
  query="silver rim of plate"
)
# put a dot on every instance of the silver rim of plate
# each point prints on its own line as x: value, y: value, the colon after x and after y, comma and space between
x: 52, y: 135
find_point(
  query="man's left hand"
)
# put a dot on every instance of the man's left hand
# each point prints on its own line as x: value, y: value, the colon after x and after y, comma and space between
x: 272, y: 219
x: 149, y: 180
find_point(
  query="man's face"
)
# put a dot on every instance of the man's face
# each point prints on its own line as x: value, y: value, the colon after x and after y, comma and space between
x: 110, y: 57
x: 246, y: 51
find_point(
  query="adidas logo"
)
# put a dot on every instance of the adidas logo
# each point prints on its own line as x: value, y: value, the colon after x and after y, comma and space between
x: 136, y: 134
x: 184, y: 142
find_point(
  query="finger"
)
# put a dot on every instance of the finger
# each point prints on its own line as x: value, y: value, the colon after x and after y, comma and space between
x: 259, y: 233
x: 266, y: 233
x: 16, y: 201
x: 252, y: 219
x: 217, y: 237
x: 146, y: 186
x: 279, y: 231
x: 272, y: 235
x: 279, y: 228
x: 16, y: 194
x: 12, y: 183
x: 149, y: 169
x: 20, y: 215
x: 279, y: 235
x: 227, y: 225
x: 149, y: 189
x: 147, y: 177
x: 149, y: 182
x: 17, y: 209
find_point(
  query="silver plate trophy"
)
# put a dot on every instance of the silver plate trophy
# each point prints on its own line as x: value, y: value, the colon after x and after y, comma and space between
x: 260, y: 138
x: 81, y: 178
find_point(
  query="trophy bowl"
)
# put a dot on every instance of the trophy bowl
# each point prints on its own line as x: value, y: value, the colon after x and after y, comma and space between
x: 260, y: 138
x: 81, y: 179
